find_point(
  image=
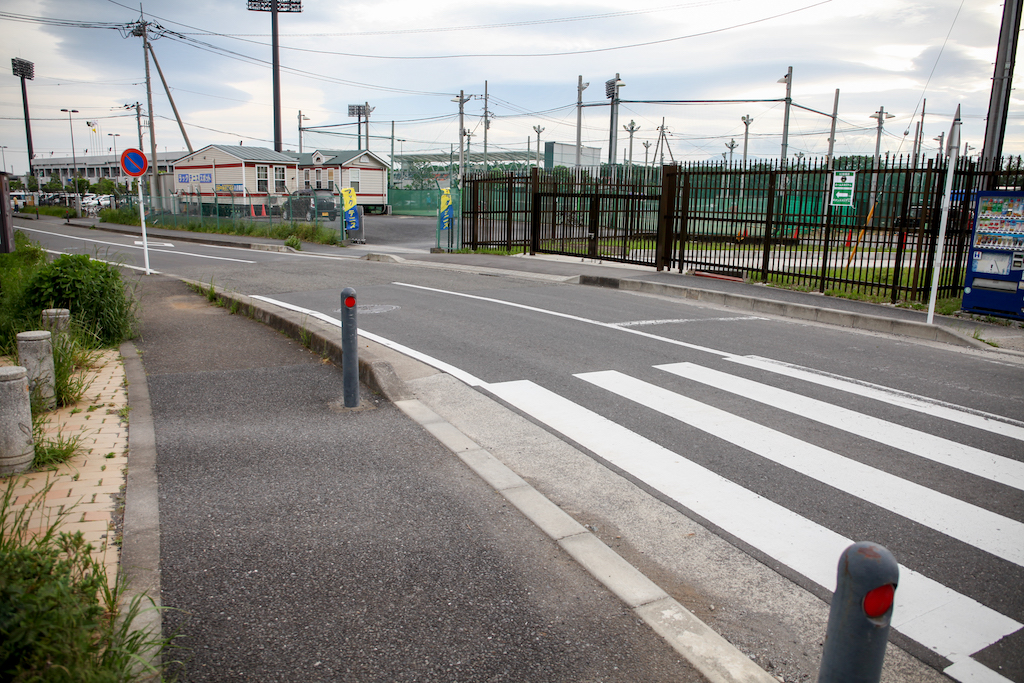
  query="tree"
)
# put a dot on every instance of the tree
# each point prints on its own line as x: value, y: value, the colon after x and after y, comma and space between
x: 33, y: 183
x: 53, y: 185
x: 105, y: 186
x: 16, y: 184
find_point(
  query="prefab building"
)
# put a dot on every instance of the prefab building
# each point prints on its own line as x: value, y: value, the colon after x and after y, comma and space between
x: 233, y: 180
x: 332, y: 169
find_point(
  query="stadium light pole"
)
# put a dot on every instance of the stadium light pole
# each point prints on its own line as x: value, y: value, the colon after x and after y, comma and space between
x: 74, y: 159
x: 611, y: 91
x: 25, y: 69
x: 274, y: 6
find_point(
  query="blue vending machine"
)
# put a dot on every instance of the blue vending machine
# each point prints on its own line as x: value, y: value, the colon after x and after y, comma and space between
x: 994, y: 284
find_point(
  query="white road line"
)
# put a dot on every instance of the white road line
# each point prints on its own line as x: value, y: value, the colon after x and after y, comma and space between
x: 577, y: 318
x: 996, y: 424
x: 462, y: 375
x: 950, y: 453
x: 130, y: 246
x: 947, y: 622
x: 678, y: 321
x: 967, y: 523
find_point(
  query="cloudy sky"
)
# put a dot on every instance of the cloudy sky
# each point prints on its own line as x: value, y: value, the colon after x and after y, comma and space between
x: 409, y: 58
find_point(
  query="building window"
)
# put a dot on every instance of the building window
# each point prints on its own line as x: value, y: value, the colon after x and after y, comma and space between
x: 279, y: 185
x: 319, y: 185
x: 261, y: 179
x: 305, y: 178
x: 330, y: 179
x: 353, y: 179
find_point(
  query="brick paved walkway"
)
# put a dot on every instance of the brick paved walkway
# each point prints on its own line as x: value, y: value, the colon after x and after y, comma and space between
x: 85, y: 487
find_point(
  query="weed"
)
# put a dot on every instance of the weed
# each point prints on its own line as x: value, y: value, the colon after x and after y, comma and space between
x: 294, y: 242
x: 51, y: 451
x: 211, y: 292
x: 122, y: 414
x: 60, y: 617
x: 234, y: 306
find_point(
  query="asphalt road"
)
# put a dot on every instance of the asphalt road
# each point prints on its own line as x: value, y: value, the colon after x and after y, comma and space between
x: 814, y: 436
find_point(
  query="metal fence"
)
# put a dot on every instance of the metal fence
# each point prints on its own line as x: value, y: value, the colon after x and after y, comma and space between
x: 769, y: 222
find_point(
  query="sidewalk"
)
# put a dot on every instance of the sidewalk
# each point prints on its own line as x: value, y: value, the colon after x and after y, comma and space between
x: 303, y: 541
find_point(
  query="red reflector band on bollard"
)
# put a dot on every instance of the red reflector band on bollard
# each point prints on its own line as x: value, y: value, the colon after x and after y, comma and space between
x: 350, y: 301
x: 878, y: 601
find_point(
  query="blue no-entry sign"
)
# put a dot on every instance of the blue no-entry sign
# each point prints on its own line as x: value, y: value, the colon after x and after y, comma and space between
x: 134, y: 162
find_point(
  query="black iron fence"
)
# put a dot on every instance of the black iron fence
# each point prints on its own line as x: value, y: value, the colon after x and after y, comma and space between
x: 767, y: 222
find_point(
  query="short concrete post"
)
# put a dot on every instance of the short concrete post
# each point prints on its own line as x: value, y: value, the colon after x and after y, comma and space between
x: 56, y: 320
x: 349, y: 348
x: 35, y: 353
x: 859, y: 618
x: 16, y: 446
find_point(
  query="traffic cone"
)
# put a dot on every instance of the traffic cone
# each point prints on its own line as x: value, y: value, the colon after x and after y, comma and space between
x: 849, y: 238
x: 252, y: 211
x: 263, y: 208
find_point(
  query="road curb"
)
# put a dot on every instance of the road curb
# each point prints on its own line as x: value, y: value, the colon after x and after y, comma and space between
x: 827, y: 316
x: 707, y: 651
x: 140, y: 549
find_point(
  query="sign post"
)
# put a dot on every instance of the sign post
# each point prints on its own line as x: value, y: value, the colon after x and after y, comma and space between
x: 135, y: 164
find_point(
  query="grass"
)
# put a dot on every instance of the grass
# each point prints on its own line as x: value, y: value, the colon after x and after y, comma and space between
x: 60, y: 620
x: 303, y: 232
x: 59, y: 211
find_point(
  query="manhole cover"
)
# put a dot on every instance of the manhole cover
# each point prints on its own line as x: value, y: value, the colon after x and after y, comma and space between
x: 372, y: 308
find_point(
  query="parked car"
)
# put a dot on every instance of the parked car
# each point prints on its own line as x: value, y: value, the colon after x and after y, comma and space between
x: 310, y: 205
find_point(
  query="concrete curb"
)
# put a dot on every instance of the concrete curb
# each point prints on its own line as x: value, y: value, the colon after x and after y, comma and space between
x: 712, y: 655
x: 862, y: 321
x: 140, y: 549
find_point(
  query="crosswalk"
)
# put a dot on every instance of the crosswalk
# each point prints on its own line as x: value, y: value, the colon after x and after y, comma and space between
x: 948, y: 622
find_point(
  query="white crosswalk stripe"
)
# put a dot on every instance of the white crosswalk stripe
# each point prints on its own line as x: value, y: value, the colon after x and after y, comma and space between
x: 972, y: 460
x: 950, y: 623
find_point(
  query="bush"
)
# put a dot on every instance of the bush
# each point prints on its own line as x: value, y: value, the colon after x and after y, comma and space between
x: 294, y: 242
x: 126, y: 215
x: 16, y: 269
x: 94, y: 292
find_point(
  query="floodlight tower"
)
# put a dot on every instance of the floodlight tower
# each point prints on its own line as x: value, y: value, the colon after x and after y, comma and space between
x: 611, y: 91
x: 24, y: 69
x: 275, y: 6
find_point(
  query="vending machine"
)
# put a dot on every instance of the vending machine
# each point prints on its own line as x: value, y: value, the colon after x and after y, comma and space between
x: 994, y: 284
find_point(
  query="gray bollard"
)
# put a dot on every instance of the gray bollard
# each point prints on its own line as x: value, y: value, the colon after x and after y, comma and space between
x: 16, y: 446
x: 56, y: 320
x: 858, y: 621
x: 35, y: 353
x: 349, y: 348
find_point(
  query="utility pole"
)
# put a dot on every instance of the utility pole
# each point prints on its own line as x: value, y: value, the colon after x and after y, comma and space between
x: 74, y: 160
x: 611, y: 91
x: 487, y: 124
x: 538, y: 129
x: 647, y: 146
x: 138, y: 118
x: 580, y: 87
x: 832, y: 130
x: 367, y: 109
x: 301, y: 119
x: 788, y: 80
x: 1002, y: 79
x: 942, y: 141
x: 461, y: 99
x: 747, y: 120
x: 631, y: 129
x: 142, y: 30
x: 469, y: 156
x: 881, y: 115
x: 25, y: 69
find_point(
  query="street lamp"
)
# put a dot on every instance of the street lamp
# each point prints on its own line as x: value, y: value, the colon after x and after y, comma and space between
x: 74, y: 160
x: 580, y: 87
x: 301, y: 119
x: 631, y: 129
x: 538, y: 129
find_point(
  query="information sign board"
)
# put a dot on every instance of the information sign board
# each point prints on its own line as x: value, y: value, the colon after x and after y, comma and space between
x: 843, y: 184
